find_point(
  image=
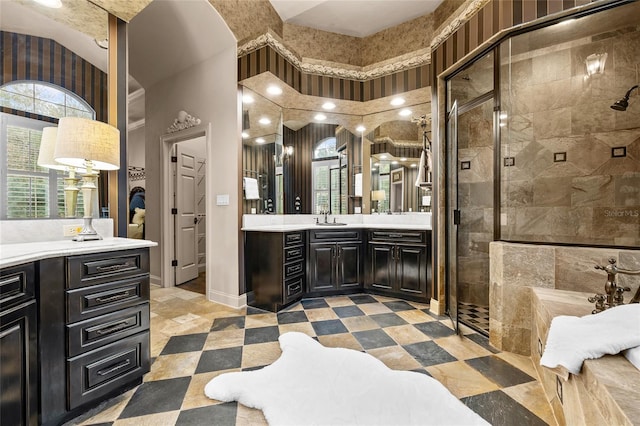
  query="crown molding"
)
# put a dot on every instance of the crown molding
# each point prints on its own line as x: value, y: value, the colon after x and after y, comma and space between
x: 408, y: 61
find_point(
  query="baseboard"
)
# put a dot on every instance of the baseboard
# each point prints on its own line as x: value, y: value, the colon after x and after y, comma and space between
x: 155, y: 279
x: 228, y: 299
x: 436, y: 307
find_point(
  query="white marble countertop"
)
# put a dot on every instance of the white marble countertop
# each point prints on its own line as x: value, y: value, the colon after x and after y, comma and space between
x: 18, y: 253
x: 304, y: 227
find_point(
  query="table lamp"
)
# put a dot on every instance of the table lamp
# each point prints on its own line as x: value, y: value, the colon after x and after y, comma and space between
x: 45, y: 159
x: 94, y: 146
x: 378, y: 195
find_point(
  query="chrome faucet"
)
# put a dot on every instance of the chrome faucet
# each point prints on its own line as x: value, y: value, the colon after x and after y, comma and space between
x: 325, y: 213
x: 614, y: 294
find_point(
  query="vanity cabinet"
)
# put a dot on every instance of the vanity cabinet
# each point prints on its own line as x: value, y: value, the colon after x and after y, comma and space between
x: 275, y: 268
x: 335, y: 260
x: 398, y: 263
x: 18, y: 347
x: 93, y: 330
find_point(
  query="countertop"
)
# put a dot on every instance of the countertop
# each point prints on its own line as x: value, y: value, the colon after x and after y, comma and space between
x: 308, y: 226
x: 18, y: 253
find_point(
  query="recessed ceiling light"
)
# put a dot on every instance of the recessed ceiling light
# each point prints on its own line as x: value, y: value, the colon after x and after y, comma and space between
x: 54, y: 4
x: 260, y: 140
x: 328, y: 105
x: 320, y: 117
x: 245, y: 135
x: 264, y: 120
x: 376, y: 164
x: 361, y: 128
x: 274, y: 90
x: 403, y: 159
x: 503, y: 115
x: 394, y: 162
x: 397, y: 101
x: 103, y: 44
x: 414, y: 165
x: 405, y: 112
x: 383, y: 157
x: 502, y: 124
x: 373, y: 169
x: 247, y: 99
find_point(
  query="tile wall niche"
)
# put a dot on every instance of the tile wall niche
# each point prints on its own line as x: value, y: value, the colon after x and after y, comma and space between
x: 570, y: 182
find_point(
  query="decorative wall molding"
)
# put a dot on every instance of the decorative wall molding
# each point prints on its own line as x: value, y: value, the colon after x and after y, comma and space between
x: 183, y: 121
x: 412, y: 61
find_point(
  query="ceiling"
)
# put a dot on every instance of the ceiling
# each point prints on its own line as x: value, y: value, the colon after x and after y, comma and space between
x: 357, y: 18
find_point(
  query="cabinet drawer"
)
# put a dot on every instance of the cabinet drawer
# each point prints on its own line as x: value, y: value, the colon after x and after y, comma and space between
x: 293, y: 253
x: 335, y: 235
x: 293, y: 269
x: 398, y: 236
x: 91, y: 269
x: 96, y: 373
x: 89, y: 302
x: 17, y: 285
x: 95, y: 332
x: 293, y: 288
x: 293, y: 238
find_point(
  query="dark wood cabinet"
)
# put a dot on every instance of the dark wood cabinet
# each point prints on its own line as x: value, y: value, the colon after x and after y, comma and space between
x: 335, y: 261
x: 398, y: 263
x: 275, y: 268
x: 93, y: 329
x: 18, y: 347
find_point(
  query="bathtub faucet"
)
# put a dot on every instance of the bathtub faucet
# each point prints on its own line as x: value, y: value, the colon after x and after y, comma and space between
x: 614, y: 294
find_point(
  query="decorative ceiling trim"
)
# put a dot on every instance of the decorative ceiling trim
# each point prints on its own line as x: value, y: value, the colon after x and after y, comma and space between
x: 417, y: 60
x: 473, y: 8
x: 331, y: 71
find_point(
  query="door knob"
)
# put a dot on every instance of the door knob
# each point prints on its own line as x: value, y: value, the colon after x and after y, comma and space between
x: 195, y: 220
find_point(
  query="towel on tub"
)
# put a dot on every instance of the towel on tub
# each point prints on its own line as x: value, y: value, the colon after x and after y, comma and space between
x: 572, y: 339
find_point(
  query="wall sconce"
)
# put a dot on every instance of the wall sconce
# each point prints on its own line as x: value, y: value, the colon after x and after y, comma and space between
x: 45, y: 159
x: 94, y: 146
x: 287, y: 150
x: 595, y: 63
x: 378, y: 195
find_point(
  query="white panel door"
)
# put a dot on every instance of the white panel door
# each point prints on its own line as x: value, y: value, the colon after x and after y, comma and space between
x: 186, y: 218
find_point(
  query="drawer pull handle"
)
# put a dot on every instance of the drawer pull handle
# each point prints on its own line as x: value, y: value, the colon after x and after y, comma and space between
x: 395, y: 235
x: 116, y: 327
x: 10, y: 280
x: 115, y: 297
x: 115, y: 368
x: 294, y: 289
x: 293, y: 269
x: 294, y: 253
x: 112, y: 268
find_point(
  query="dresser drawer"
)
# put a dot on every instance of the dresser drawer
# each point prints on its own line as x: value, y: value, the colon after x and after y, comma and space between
x: 96, y: 373
x: 95, y: 268
x: 293, y: 253
x: 17, y: 285
x: 89, y: 302
x: 403, y: 236
x: 293, y: 269
x: 293, y: 238
x: 95, y: 332
x: 293, y: 288
x: 331, y: 236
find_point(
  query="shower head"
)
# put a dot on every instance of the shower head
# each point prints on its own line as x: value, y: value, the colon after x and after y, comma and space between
x: 623, y: 103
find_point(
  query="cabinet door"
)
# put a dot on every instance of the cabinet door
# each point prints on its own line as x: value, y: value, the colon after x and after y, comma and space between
x: 381, y: 266
x: 18, y: 366
x: 322, y: 267
x: 349, y: 265
x: 411, y: 270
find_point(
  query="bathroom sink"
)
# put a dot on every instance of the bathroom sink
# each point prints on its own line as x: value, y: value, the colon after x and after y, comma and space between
x: 330, y: 223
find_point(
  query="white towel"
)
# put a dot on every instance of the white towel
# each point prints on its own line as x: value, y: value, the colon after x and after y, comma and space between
x: 572, y: 339
x: 357, y: 184
x: 251, y: 189
x: 423, y: 172
x: 633, y: 355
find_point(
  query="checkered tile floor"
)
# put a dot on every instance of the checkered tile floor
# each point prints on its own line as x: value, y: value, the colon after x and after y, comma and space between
x: 194, y: 340
x: 476, y: 316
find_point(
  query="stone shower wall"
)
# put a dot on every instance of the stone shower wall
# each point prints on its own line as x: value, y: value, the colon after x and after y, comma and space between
x: 566, y: 185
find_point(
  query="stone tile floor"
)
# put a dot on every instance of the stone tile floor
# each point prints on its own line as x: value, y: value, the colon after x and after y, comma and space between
x: 194, y: 340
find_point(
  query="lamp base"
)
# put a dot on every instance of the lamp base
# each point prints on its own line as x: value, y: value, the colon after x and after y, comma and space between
x: 87, y: 233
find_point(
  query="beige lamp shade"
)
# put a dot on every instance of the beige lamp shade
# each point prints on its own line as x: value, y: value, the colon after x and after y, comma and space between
x: 378, y: 195
x: 80, y: 140
x: 47, y: 147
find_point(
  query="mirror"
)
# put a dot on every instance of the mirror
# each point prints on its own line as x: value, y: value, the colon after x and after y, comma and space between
x: 308, y: 160
x: 66, y: 40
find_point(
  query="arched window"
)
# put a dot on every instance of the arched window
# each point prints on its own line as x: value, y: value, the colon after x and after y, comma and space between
x: 44, y: 99
x: 28, y: 190
x: 325, y: 148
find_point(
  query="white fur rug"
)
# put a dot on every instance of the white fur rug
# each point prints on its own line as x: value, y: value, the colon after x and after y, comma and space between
x: 313, y: 385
